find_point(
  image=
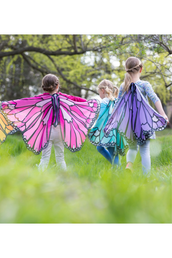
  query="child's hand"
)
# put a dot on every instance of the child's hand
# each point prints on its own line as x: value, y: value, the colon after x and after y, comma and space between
x: 166, y: 118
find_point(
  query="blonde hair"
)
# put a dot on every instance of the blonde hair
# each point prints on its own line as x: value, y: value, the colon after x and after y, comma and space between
x: 110, y: 89
x: 132, y: 65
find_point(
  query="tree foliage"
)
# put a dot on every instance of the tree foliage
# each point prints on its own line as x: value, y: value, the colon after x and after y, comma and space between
x: 81, y: 62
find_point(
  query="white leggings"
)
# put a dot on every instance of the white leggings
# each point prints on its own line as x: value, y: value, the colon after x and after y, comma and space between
x: 144, y: 153
x: 56, y: 140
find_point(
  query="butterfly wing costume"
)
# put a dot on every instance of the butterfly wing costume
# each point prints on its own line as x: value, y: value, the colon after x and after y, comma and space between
x: 34, y: 117
x: 134, y: 118
x: 6, y: 127
x: 113, y: 139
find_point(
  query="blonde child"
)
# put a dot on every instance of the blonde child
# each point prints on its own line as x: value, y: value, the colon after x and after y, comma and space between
x: 114, y: 144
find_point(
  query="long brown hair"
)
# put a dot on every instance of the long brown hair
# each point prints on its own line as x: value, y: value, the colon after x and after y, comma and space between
x: 110, y: 89
x: 132, y: 65
x: 50, y: 82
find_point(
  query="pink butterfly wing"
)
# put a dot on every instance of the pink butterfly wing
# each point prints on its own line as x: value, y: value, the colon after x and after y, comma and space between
x: 33, y: 117
x: 75, y: 120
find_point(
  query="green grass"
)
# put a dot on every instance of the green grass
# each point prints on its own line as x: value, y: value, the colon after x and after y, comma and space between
x: 90, y: 191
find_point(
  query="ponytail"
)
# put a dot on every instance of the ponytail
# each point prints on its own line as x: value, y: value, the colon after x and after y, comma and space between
x: 115, y: 91
x: 110, y: 89
x: 127, y: 82
x: 132, y: 65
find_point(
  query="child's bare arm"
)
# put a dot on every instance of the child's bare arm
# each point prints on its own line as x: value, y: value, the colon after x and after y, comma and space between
x: 160, y: 109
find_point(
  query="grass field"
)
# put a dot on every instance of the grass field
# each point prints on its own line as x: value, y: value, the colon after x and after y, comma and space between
x: 90, y: 191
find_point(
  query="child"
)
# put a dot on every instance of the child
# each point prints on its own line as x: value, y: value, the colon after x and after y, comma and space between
x: 113, y: 144
x: 52, y: 118
x: 50, y: 84
x: 133, y: 117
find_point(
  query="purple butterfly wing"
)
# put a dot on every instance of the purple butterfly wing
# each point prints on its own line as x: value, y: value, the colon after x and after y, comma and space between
x: 33, y: 117
x: 120, y: 118
x: 75, y: 120
x: 134, y: 118
x: 148, y: 120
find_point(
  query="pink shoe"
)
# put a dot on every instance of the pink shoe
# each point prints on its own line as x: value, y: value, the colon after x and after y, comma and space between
x: 129, y: 167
